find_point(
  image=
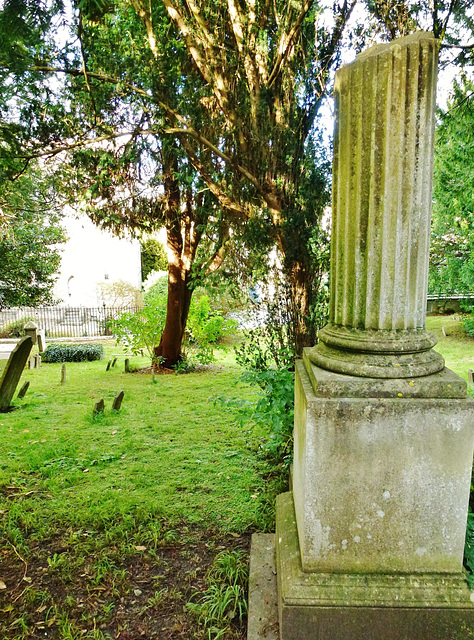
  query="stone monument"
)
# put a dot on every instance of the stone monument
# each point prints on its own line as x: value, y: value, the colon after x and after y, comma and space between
x: 370, y: 539
x: 13, y: 370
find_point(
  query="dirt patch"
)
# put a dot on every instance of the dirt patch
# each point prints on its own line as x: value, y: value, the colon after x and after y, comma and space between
x: 56, y: 592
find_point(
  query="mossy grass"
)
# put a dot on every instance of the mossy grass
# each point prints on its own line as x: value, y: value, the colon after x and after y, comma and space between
x: 89, y: 497
x: 454, y: 344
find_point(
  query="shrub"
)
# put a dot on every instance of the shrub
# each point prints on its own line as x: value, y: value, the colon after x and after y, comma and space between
x: 468, y: 322
x: 16, y: 328
x: 72, y: 352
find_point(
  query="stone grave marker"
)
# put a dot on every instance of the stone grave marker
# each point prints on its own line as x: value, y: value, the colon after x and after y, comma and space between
x: 23, y: 390
x: 99, y: 407
x: 470, y: 376
x: 369, y: 541
x: 114, y: 361
x: 63, y: 374
x: 31, y: 330
x: 41, y: 339
x: 117, y: 403
x: 127, y: 365
x: 13, y: 370
x: 108, y: 365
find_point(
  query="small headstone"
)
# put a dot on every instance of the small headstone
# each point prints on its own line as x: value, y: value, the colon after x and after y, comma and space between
x: 31, y: 330
x: 470, y: 376
x: 37, y: 361
x: 117, y: 403
x: 23, y: 390
x: 114, y: 362
x: 13, y: 370
x: 99, y: 407
x: 63, y: 374
x: 108, y: 365
x: 443, y: 330
x: 31, y: 362
x: 127, y: 365
x: 41, y: 340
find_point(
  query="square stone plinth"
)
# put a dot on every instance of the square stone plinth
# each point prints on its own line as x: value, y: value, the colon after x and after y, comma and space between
x: 341, y: 606
x: 381, y: 484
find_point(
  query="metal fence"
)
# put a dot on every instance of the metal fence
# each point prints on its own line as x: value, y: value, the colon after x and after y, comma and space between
x: 64, y: 322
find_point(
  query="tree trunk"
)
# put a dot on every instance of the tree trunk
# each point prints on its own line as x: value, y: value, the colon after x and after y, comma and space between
x: 301, y: 294
x: 169, y: 351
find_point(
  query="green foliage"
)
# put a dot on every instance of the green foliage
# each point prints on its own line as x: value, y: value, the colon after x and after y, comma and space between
x: 469, y: 548
x: 16, y: 328
x: 452, y: 243
x: 142, y: 329
x: 206, y: 327
x: 468, y: 322
x: 160, y: 288
x: 73, y: 353
x: 275, y: 410
x: 153, y: 257
x: 30, y: 254
x: 224, y: 598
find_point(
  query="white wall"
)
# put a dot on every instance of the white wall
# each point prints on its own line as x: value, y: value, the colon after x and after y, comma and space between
x: 91, y: 256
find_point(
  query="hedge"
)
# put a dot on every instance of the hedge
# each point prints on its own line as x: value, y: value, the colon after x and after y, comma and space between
x: 72, y: 352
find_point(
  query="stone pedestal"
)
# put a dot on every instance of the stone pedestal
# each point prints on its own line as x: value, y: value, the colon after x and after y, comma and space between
x: 370, y: 542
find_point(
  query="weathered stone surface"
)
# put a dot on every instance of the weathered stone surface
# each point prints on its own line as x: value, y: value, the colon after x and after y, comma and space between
x: 327, y: 384
x: 13, y: 370
x: 381, y: 484
x: 382, y: 184
x: 99, y: 407
x: 117, y: 403
x: 263, y: 604
x: 24, y: 389
x: 63, y: 374
x: 41, y: 340
x: 358, y: 606
x: 31, y: 330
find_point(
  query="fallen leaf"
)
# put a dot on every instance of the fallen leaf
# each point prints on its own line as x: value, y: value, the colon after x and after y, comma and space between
x: 26, y: 579
x: 85, y: 470
x: 137, y: 592
x: 2, y: 585
x: 114, y: 432
x: 140, y: 547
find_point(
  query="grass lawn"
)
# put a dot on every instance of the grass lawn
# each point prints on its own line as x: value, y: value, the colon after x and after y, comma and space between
x: 137, y: 524
x: 454, y: 345
x: 131, y: 524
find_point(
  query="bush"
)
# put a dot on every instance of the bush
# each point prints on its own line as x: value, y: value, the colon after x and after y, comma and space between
x: 73, y: 353
x: 16, y: 328
x: 468, y: 322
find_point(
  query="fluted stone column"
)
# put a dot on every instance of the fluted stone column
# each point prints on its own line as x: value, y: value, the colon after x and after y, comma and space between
x: 369, y: 541
x: 382, y: 176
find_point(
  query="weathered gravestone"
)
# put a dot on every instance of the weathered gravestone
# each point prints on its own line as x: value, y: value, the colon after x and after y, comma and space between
x: 63, y: 374
x: 117, y: 403
x: 24, y: 389
x: 98, y: 407
x: 13, y: 370
x: 370, y: 540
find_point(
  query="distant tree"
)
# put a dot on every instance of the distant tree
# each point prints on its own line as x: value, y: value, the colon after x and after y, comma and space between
x: 153, y: 257
x: 30, y: 239
x: 452, y: 245
x: 119, y: 294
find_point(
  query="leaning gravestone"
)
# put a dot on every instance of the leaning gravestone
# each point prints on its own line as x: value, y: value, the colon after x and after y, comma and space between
x: 369, y: 542
x: 117, y: 403
x: 13, y: 370
x: 24, y: 389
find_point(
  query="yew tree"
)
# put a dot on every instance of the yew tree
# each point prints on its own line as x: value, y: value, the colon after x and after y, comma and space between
x: 220, y: 99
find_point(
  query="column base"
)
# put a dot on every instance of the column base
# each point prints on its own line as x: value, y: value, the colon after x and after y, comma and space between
x: 377, y: 353
x: 342, y: 606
